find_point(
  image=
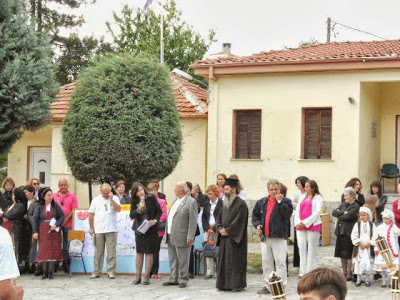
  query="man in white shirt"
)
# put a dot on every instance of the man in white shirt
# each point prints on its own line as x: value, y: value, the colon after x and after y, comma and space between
x: 8, y: 269
x: 103, y: 227
x: 181, y: 229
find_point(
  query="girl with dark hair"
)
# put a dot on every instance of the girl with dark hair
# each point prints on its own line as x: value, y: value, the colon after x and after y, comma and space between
x: 144, y: 206
x: 300, y: 182
x: 32, y: 204
x: 13, y: 219
x: 308, y: 225
x: 355, y: 183
x: 47, y: 218
x: 376, y: 189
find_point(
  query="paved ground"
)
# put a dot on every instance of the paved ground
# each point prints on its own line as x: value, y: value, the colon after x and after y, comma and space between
x: 81, y: 287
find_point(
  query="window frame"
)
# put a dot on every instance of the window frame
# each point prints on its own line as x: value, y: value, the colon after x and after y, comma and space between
x: 235, y: 132
x: 303, y: 131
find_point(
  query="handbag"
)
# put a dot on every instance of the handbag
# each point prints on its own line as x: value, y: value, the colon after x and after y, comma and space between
x: 161, y: 226
x: 210, y: 251
x: 210, y: 248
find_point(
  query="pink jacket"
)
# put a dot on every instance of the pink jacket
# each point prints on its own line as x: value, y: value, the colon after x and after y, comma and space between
x: 163, y: 217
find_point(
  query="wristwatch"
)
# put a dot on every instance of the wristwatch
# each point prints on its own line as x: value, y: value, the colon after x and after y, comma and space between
x: 155, y: 221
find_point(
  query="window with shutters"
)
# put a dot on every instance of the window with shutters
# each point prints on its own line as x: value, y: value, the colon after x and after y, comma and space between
x: 247, y: 134
x: 317, y: 133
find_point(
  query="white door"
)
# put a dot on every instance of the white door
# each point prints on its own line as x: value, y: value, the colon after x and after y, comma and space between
x: 40, y: 164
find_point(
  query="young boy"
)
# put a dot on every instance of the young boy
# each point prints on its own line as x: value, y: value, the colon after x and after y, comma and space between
x: 363, y: 237
x: 322, y: 283
x: 390, y: 232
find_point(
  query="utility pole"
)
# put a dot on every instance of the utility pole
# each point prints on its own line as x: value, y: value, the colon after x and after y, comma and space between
x: 328, y: 30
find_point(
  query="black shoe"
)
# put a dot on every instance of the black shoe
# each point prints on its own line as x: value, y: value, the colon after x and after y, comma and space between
x: 51, y: 276
x: 383, y: 285
x: 32, y: 270
x: 367, y: 283
x: 377, y: 276
x: 44, y: 276
x: 26, y: 268
x: 39, y: 271
x: 237, y: 290
x: 182, y: 285
x: 167, y: 283
x: 137, y: 281
x: 191, y: 276
x: 358, y: 283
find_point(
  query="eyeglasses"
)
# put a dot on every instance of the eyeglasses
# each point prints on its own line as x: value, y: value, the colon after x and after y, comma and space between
x: 35, y: 183
x: 62, y: 201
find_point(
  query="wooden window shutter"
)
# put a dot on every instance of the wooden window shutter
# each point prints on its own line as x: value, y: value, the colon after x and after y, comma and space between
x: 248, y: 134
x: 318, y: 133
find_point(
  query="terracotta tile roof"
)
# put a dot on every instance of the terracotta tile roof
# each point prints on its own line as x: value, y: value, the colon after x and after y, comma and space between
x: 59, y: 108
x: 388, y: 49
x: 191, y: 100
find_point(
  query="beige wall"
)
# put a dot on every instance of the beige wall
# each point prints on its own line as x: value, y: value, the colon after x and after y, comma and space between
x: 192, y: 165
x: 18, y: 156
x: 390, y: 101
x: 281, y: 98
x: 370, y: 109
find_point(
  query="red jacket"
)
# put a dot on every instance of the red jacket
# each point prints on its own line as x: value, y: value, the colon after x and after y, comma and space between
x: 396, y: 212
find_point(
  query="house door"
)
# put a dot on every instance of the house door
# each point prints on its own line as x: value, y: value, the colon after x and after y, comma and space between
x: 40, y: 164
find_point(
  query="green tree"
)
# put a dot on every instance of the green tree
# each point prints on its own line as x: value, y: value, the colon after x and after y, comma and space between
x: 77, y: 53
x: 140, y: 33
x: 27, y: 84
x: 123, y: 122
x: 50, y: 15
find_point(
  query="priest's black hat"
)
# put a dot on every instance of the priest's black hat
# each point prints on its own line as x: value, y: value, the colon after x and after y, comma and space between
x: 232, y: 182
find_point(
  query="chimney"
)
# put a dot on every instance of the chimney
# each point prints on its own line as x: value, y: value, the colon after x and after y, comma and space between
x: 226, y: 47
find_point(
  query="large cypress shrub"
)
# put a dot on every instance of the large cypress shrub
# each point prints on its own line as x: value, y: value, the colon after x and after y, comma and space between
x: 123, y: 122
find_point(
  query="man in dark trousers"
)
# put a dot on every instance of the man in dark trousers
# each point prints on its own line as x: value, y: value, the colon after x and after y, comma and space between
x: 271, y: 218
x: 232, y: 229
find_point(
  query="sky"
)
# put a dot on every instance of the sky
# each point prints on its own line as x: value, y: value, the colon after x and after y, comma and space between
x: 253, y: 26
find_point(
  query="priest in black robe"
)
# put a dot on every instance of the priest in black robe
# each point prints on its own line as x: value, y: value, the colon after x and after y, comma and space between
x: 232, y: 239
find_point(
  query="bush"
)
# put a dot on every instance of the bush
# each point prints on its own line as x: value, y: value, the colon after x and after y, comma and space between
x: 123, y: 122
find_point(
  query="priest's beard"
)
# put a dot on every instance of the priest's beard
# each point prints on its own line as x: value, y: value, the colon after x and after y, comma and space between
x: 228, y: 200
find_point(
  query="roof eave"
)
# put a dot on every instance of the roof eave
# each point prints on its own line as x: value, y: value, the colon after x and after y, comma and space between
x: 361, y: 63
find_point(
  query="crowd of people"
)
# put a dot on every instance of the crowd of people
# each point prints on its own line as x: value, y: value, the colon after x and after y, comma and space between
x: 39, y: 221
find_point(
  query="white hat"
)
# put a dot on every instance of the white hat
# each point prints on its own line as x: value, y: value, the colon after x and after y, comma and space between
x: 367, y: 211
x: 388, y: 214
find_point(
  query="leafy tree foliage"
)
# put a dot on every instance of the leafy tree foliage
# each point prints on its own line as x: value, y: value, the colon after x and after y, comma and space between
x: 123, y: 122
x: 27, y: 84
x: 140, y: 33
x: 50, y: 15
x: 77, y: 53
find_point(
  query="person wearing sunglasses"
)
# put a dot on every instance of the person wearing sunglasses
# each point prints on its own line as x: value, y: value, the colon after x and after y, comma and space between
x: 36, y: 184
x: 68, y: 202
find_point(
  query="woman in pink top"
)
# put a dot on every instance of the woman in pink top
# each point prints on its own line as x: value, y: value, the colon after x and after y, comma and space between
x: 220, y: 183
x: 153, y: 189
x: 308, y: 225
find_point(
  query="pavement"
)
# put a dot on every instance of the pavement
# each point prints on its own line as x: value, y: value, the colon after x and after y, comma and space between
x: 81, y: 287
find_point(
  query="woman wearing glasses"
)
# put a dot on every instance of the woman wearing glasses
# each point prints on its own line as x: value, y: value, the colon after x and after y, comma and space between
x: 47, y: 219
x: 36, y: 185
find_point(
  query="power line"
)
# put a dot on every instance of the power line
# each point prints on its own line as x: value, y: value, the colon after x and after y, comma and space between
x: 356, y: 29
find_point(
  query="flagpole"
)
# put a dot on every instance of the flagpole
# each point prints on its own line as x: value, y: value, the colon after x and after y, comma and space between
x: 162, y: 36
